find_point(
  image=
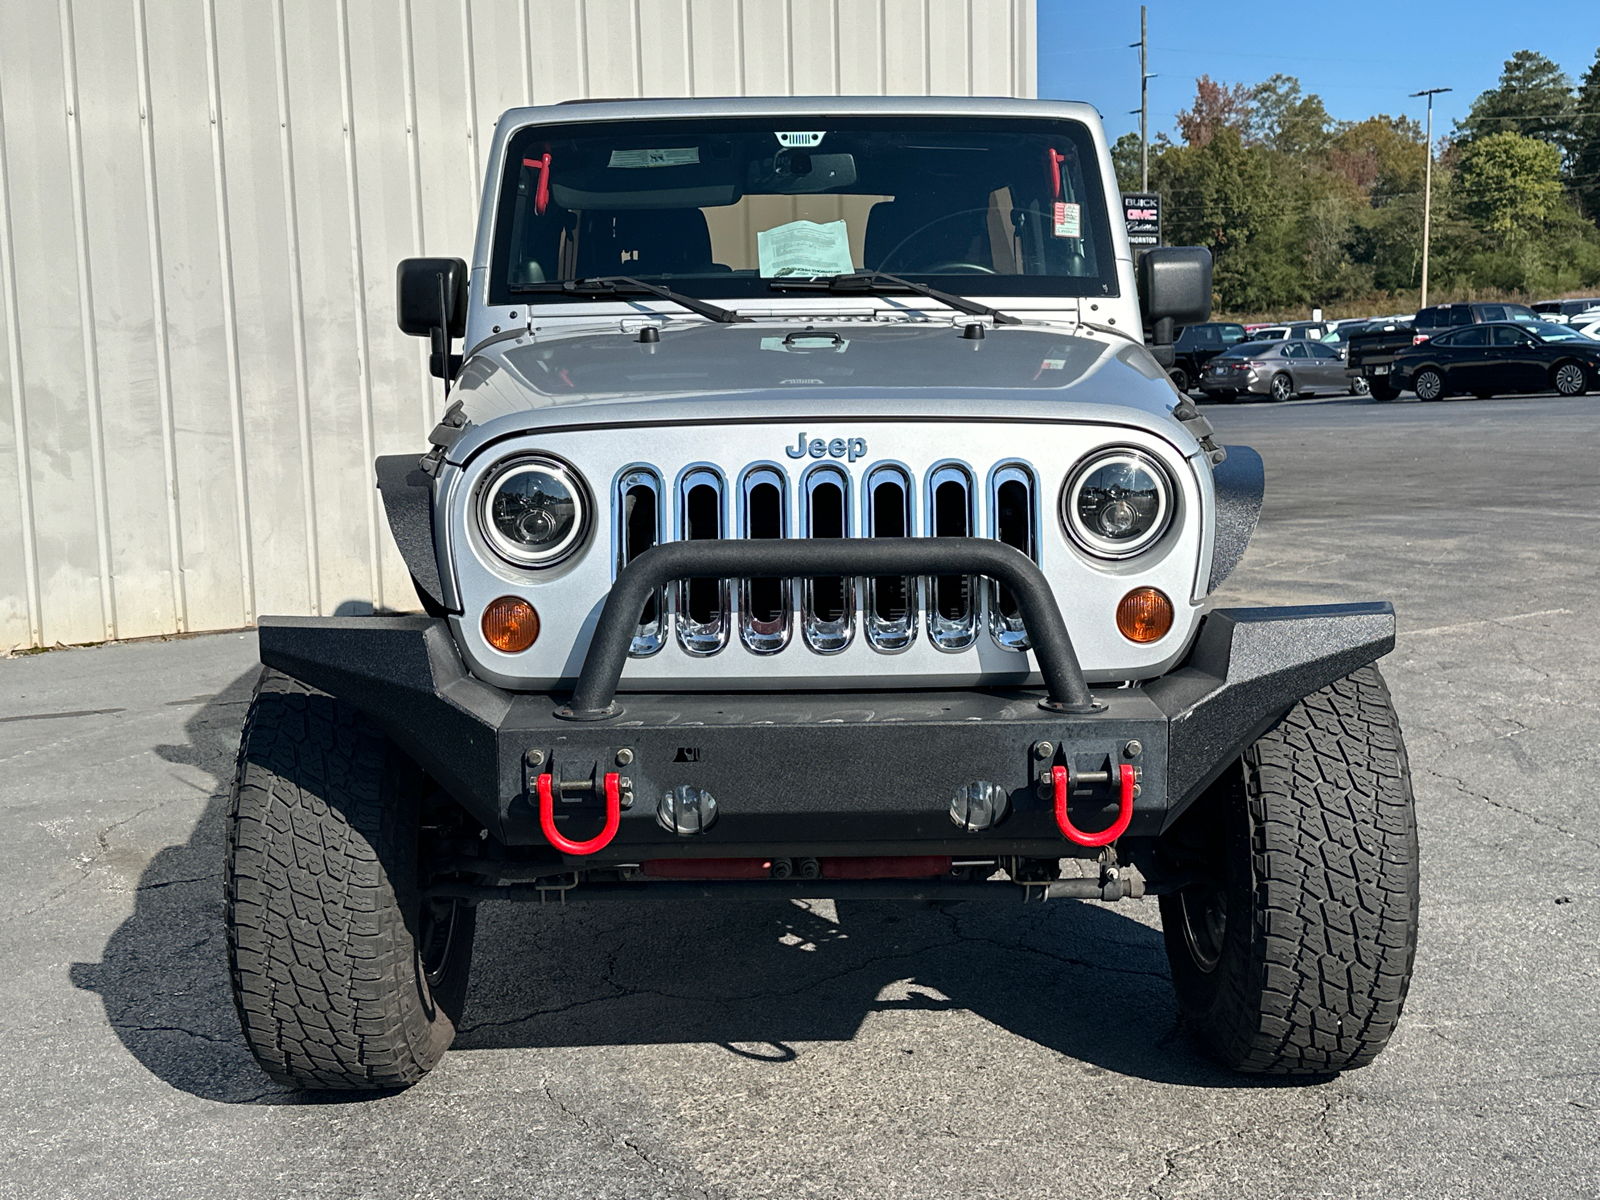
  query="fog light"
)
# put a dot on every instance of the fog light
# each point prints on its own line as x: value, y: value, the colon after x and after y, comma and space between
x: 979, y: 805
x: 686, y: 810
x: 510, y: 624
x: 1145, y: 615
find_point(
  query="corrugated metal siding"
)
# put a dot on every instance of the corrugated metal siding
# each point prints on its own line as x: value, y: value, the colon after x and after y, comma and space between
x: 201, y: 206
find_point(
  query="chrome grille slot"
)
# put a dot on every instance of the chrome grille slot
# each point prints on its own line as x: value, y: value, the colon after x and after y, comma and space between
x: 952, y: 599
x: 1014, y: 522
x: 703, y: 607
x: 890, y: 615
x: 766, y: 606
x: 638, y: 515
x: 827, y: 609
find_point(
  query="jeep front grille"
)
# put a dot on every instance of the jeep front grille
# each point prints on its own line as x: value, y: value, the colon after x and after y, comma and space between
x: 891, y: 610
x: 637, y: 524
x: 703, y: 607
x: 953, y: 599
x: 1011, y: 509
x: 824, y: 505
x: 828, y: 605
x: 766, y: 606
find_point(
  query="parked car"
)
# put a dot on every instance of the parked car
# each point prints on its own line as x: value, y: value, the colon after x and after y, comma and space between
x: 1280, y: 370
x: 783, y: 603
x: 1500, y: 357
x: 1370, y: 352
x: 1198, y: 345
x: 1436, y: 319
x: 1587, y: 324
x: 1564, y: 310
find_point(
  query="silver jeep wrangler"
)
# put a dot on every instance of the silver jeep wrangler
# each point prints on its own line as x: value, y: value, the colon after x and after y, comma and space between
x: 812, y: 516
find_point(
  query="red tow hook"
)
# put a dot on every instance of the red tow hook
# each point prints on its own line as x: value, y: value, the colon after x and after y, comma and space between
x: 547, y: 818
x: 1105, y: 837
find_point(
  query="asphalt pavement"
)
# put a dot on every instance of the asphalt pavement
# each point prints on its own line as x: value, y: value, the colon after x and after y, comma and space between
x: 866, y: 1049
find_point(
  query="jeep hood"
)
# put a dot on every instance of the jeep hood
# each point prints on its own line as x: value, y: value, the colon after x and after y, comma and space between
x: 781, y: 370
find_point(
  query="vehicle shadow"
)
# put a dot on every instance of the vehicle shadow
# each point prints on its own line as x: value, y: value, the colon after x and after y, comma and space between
x: 1084, y: 980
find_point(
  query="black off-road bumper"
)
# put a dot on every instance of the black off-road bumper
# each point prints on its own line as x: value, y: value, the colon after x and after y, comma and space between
x: 836, y: 774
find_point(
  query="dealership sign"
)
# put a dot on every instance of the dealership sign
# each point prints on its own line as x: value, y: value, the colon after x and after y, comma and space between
x: 1143, y: 215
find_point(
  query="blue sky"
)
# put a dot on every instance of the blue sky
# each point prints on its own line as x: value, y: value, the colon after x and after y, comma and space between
x: 1361, y: 58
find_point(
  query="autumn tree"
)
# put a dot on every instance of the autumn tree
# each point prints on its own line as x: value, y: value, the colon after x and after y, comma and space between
x: 1217, y: 106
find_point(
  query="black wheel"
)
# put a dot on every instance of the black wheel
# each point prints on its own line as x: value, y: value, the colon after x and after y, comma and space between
x: 1281, y: 388
x: 1359, y: 385
x: 343, y: 974
x: 1570, y: 379
x: 1295, y: 955
x: 1180, y: 379
x: 1428, y: 384
x: 1382, y: 389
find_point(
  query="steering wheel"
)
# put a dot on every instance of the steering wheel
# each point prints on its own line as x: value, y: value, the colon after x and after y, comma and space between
x: 955, y: 268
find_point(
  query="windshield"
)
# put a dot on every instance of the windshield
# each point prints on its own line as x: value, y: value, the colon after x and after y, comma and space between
x: 1551, y: 332
x: 722, y: 208
x: 1249, y: 350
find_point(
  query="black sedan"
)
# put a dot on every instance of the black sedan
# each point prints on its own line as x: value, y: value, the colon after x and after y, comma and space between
x: 1499, y: 357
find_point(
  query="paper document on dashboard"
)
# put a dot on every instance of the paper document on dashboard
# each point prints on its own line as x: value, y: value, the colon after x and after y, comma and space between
x: 804, y: 248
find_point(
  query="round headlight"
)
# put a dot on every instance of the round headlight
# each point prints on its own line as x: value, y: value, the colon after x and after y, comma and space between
x: 534, y: 512
x: 1117, y: 503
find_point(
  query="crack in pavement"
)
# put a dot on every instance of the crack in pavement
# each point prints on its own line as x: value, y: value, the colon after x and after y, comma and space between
x: 1545, y: 823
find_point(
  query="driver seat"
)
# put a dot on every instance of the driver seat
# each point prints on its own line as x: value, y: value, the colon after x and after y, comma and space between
x: 906, y: 238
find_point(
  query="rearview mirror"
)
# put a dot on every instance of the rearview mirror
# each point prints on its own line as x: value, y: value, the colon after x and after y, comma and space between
x: 431, y: 293
x: 1174, y: 289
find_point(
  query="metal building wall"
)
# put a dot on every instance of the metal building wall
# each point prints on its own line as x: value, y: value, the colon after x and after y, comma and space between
x: 201, y: 206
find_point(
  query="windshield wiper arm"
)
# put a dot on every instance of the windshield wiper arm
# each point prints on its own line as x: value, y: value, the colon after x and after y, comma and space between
x: 616, y: 285
x: 877, y: 281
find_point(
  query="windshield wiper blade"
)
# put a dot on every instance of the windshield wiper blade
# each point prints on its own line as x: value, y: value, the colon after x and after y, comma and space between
x: 616, y: 285
x: 877, y: 281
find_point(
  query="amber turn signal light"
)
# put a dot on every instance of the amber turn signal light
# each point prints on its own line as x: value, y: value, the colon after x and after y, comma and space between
x: 1144, y: 615
x: 510, y: 624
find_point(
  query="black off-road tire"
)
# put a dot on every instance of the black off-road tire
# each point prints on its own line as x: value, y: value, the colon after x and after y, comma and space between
x: 1382, y: 389
x: 1180, y: 380
x: 1296, y: 959
x: 343, y: 976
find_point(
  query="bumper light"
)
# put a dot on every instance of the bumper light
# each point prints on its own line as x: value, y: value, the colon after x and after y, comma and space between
x: 1144, y: 615
x: 510, y: 624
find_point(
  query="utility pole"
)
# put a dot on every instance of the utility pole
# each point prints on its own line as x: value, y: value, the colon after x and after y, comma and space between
x: 1427, y: 189
x: 1143, y: 46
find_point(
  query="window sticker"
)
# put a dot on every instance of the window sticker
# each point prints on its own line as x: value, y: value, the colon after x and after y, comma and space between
x: 804, y: 249
x: 669, y: 157
x: 799, y: 140
x: 1068, y: 222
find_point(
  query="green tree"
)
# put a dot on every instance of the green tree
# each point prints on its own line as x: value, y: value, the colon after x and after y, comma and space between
x: 1585, y: 158
x: 1125, y: 159
x: 1509, y: 185
x: 1533, y: 98
x: 1284, y: 119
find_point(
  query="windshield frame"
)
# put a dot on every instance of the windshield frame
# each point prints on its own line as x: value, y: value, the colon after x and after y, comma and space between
x: 1101, y: 216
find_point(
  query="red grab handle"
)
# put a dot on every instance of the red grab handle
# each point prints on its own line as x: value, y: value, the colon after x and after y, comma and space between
x: 1105, y: 837
x: 547, y: 818
x: 541, y: 193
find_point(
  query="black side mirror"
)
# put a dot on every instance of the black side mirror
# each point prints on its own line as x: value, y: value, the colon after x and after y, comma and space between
x: 431, y: 302
x: 1174, y: 290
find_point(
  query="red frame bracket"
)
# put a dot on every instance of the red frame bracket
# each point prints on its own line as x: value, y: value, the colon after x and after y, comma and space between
x: 541, y: 194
